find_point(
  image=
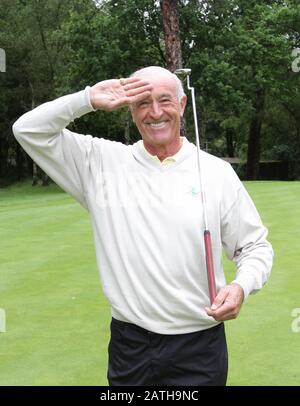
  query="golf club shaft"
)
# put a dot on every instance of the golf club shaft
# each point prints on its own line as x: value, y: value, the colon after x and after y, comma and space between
x: 210, y: 266
x: 207, y: 236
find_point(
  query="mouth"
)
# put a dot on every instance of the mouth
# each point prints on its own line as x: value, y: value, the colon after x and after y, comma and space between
x: 157, y: 125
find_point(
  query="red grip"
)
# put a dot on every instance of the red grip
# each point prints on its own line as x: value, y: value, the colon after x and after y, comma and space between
x: 210, y: 266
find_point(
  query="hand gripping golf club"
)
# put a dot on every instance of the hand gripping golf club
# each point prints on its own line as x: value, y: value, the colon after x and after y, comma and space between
x: 207, y: 238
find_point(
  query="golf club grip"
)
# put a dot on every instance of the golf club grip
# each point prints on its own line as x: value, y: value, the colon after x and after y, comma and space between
x: 210, y: 266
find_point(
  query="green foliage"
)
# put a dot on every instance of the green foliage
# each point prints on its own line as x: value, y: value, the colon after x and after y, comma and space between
x: 112, y: 39
x: 235, y: 48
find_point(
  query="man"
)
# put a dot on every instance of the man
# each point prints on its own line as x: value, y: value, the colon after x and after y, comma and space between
x: 147, y: 222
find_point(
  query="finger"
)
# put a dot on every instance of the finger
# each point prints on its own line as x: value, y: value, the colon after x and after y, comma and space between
x: 136, y: 85
x: 220, y: 298
x: 139, y: 90
x: 134, y: 99
x: 121, y: 102
x: 131, y: 82
x: 224, y: 311
x: 209, y: 311
x: 227, y: 311
x: 132, y: 79
x: 125, y: 101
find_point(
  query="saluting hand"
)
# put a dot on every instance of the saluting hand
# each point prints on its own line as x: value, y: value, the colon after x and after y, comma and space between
x: 112, y: 94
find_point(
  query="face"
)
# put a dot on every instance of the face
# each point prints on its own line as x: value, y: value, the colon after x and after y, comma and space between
x: 158, y: 117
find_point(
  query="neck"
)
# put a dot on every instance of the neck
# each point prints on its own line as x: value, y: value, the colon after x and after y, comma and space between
x: 164, y: 151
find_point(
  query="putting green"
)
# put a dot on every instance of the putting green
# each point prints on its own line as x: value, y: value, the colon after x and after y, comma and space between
x: 57, y: 319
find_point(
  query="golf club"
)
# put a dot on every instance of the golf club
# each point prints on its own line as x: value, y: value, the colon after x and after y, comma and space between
x: 207, y: 237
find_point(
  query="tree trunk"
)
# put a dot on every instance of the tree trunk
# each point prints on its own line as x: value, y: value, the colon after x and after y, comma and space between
x: 127, y: 129
x: 296, y: 165
x: 254, y: 137
x: 35, y: 177
x: 20, y: 161
x: 45, y: 179
x: 3, y: 158
x: 170, y: 18
x: 230, y: 142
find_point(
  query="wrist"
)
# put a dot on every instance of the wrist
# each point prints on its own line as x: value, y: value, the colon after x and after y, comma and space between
x: 242, y: 290
x: 90, y: 93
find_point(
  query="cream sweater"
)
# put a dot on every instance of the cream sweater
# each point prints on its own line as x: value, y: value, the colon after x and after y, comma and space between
x: 147, y: 218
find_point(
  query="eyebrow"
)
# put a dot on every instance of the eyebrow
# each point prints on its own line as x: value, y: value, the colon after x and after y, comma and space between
x: 159, y: 97
x: 149, y: 98
x: 165, y: 95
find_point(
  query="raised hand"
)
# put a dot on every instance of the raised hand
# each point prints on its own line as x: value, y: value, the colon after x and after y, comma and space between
x: 112, y: 94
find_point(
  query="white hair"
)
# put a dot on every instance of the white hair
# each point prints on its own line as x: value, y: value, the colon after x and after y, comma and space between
x: 155, y: 70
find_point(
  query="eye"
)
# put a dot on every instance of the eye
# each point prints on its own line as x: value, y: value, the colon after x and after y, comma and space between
x: 165, y: 100
x: 144, y: 103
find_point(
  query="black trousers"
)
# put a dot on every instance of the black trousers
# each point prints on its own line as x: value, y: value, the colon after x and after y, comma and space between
x: 138, y: 357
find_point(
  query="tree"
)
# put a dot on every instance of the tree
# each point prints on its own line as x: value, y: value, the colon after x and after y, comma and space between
x: 239, y: 52
x: 241, y: 56
x: 113, y: 39
x: 170, y: 19
x: 30, y: 38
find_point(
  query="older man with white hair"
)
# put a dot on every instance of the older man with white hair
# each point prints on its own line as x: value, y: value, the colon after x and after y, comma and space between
x: 146, y: 214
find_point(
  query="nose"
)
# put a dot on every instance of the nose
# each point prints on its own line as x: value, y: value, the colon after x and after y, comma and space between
x: 156, y: 110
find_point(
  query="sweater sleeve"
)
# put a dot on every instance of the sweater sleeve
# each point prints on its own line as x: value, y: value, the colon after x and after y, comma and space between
x: 244, y: 239
x: 62, y: 154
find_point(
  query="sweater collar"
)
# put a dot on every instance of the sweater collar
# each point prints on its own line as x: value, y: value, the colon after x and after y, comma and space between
x: 141, y: 154
x: 168, y: 160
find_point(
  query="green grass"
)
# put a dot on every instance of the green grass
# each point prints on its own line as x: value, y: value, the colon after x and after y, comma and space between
x: 58, y: 319
x: 263, y: 348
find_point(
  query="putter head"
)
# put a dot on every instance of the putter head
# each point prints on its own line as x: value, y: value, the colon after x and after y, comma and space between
x: 183, y: 72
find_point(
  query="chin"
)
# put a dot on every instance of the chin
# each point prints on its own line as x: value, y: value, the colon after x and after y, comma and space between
x: 161, y: 139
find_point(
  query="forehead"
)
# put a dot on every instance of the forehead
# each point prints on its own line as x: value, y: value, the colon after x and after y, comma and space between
x: 162, y: 84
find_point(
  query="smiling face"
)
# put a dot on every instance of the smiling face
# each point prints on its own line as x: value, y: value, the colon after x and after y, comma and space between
x: 158, y: 117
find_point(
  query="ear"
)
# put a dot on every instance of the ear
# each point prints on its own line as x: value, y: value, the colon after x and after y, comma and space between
x: 183, y: 101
